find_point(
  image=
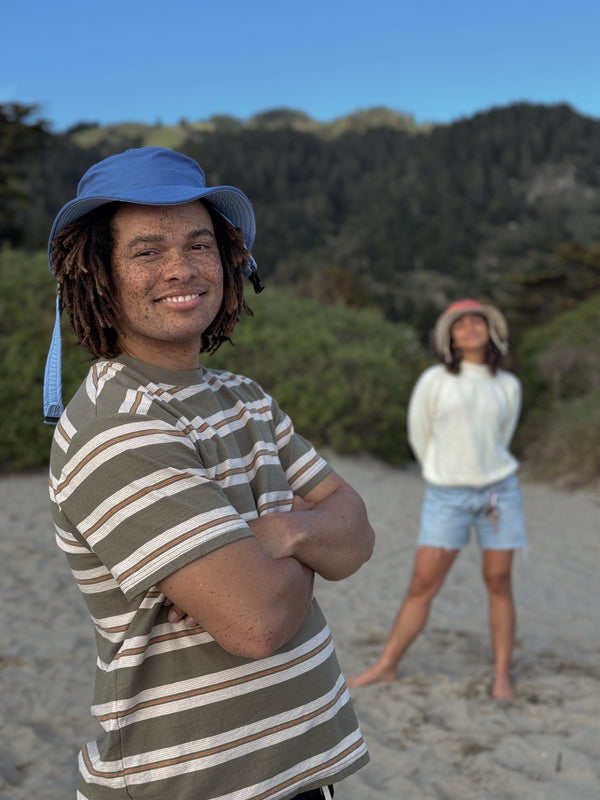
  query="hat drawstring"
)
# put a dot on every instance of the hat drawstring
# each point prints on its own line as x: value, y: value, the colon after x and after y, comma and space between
x: 253, y: 276
x: 53, y: 406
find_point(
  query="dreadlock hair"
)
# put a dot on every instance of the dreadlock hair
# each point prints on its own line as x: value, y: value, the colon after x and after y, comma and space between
x: 80, y: 256
x: 234, y: 258
x: 81, y: 259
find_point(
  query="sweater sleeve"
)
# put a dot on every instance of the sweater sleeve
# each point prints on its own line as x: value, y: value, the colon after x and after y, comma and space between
x: 420, y: 414
x: 513, y: 392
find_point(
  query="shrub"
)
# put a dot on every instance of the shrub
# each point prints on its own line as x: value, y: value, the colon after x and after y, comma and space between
x: 27, y: 301
x: 344, y: 375
x: 566, y: 448
x: 560, y: 369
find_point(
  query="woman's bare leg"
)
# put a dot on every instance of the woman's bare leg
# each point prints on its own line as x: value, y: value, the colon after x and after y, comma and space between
x: 497, y: 576
x: 429, y: 571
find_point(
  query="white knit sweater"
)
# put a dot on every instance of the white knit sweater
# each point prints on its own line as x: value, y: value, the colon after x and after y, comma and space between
x: 460, y: 426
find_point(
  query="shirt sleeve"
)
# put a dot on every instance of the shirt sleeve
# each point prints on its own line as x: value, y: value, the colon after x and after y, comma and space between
x: 138, y: 496
x: 304, y: 468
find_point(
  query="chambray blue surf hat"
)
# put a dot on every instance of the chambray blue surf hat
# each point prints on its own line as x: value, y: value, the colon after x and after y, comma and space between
x: 151, y: 176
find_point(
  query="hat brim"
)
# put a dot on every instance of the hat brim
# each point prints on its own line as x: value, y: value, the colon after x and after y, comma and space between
x: 230, y: 202
x: 496, y: 321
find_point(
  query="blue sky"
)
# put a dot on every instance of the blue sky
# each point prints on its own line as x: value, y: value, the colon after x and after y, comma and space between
x: 437, y: 60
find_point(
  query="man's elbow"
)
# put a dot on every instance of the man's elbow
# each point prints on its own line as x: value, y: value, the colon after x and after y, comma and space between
x: 363, y: 553
x: 365, y: 542
x: 255, y: 649
x: 366, y: 545
x: 369, y: 544
x: 261, y: 639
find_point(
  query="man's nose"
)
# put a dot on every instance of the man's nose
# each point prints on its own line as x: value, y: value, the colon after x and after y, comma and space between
x: 178, y: 265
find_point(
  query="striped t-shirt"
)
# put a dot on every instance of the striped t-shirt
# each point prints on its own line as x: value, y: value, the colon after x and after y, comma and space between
x: 150, y: 470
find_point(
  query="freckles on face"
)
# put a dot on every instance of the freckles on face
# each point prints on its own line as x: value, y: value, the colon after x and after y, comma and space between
x: 168, y: 279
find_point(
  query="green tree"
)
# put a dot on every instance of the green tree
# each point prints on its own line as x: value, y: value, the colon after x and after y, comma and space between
x: 22, y: 136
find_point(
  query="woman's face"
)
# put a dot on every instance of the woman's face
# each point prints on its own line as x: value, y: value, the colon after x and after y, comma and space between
x: 470, y: 336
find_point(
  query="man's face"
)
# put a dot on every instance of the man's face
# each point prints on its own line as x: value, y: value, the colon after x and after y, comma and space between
x: 169, y: 281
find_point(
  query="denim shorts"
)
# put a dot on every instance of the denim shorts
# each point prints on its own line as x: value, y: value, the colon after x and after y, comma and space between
x: 495, y: 511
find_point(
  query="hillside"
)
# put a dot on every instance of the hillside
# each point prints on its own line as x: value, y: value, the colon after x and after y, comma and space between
x: 502, y: 204
x: 374, y: 212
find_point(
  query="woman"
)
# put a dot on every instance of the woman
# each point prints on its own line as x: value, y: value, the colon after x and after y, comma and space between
x: 461, y: 418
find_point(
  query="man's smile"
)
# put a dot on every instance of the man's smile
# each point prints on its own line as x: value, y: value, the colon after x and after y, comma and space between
x: 181, y: 298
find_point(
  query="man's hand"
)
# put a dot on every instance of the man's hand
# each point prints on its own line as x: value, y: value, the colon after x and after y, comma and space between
x: 249, y: 602
x: 328, y: 530
x: 277, y: 532
x: 176, y: 614
x: 271, y: 542
x: 252, y: 595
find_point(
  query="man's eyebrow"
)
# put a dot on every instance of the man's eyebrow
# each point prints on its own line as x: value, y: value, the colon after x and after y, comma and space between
x: 157, y: 238
x: 201, y: 232
x: 149, y: 238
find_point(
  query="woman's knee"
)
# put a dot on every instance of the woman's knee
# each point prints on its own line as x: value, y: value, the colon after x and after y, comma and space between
x: 425, y: 584
x: 422, y: 587
x: 497, y: 566
x: 430, y: 570
x: 498, y: 582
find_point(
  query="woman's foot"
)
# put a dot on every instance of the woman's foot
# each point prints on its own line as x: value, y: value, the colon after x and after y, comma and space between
x: 374, y: 674
x: 503, y: 690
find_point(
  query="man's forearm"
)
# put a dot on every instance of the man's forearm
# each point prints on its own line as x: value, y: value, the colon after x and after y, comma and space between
x: 333, y: 537
x: 250, y: 603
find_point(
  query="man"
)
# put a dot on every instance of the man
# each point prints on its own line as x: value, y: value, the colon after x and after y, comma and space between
x: 192, y: 515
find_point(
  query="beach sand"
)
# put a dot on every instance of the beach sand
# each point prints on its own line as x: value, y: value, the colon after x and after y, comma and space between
x: 432, y: 734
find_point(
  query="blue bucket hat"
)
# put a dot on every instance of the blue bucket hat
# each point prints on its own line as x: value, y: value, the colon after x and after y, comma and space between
x: 150, y: 176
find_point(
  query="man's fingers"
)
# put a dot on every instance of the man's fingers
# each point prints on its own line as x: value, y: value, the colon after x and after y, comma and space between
x: 300, y: 504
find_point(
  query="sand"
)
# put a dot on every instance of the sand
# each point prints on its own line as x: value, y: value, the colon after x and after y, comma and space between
x: 433, y: 734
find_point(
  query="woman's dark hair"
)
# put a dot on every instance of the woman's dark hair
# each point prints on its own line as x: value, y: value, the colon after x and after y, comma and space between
x: 493, y: 357
x: 81, y: 257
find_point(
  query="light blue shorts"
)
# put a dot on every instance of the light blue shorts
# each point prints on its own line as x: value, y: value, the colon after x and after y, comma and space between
x: 495, y: 511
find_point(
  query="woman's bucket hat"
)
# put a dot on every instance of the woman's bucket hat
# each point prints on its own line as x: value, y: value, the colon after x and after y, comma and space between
x: 496, y: 322
x: 151, y: 176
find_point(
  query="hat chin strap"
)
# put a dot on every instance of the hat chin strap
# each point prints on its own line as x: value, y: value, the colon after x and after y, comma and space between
x: 53, y: 405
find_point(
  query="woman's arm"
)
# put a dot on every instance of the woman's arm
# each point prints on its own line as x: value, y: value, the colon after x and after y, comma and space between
x: 419, y: 416
x: 513, y: 410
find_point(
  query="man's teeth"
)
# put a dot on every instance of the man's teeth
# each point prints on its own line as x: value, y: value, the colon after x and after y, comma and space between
x: 181, y: 299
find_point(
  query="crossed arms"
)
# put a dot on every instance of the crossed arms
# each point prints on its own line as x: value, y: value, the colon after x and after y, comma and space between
x: 253, y: 595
